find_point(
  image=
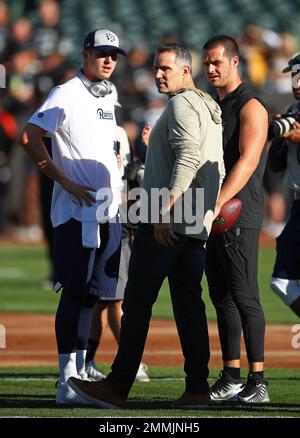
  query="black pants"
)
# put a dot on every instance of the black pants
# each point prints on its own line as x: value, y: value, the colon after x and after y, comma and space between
x: 287, y: 263
x: 231, y: 271
x: 183, y: 263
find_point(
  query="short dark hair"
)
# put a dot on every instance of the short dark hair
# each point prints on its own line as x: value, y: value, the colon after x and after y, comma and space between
x: 182, y: 53
x: 230, y: 45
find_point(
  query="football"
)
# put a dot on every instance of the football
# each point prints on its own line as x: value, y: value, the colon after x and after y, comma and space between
x: 227, y: 217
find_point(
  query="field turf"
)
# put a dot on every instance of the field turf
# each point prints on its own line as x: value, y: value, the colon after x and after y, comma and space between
x: 23, y: 268
x: 30, y: 391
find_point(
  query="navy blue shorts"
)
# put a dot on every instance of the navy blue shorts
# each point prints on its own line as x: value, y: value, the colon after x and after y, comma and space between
x: 287, y: 263
x: 81, y: 270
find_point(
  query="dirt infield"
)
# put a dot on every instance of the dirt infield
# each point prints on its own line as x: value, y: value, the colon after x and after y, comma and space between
x: 30, y: 340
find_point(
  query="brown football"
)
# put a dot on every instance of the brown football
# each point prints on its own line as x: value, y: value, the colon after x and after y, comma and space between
x: 227, y: 217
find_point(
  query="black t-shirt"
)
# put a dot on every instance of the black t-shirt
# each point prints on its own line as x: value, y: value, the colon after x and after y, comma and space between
x: 251, y: 195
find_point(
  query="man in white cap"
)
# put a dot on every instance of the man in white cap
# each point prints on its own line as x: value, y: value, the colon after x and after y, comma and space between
x: 79, y: 116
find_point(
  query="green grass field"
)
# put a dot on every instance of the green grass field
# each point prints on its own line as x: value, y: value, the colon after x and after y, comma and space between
x: 30, y: 392
x: 22, y: 269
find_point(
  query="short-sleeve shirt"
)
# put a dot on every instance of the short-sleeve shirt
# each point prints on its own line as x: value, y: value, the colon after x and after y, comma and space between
x: 83, y: 132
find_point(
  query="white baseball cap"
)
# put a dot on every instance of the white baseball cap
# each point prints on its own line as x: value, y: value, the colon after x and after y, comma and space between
x: 102, y: 39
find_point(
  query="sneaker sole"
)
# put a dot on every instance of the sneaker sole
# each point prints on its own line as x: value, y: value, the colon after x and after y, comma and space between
x: 100, y: 403
x: 231, y: 399
x: 84, y: 402
x: 255, y: 402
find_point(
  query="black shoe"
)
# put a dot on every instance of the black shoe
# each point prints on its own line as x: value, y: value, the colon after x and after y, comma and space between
x: 226, y: 388
x: 255, y: 391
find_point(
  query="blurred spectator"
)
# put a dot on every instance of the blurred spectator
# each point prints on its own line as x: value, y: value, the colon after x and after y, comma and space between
x: 51, y: 44
x: 153, y: 109
x: 21, y: 81
x: 4, y: 31
x: 8, y: 134
x: 256, y: 53
x: 135, y: 82
x: 288, y: 47
x: 142, y: 102
x: 20, y: 35
x: 24, y: 189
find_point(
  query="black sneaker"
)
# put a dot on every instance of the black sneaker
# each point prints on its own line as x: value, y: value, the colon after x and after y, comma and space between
x: 226, y: 388
x: 255, y: 391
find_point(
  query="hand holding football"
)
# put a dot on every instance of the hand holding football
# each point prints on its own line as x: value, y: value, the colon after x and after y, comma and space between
x: 227, y: 216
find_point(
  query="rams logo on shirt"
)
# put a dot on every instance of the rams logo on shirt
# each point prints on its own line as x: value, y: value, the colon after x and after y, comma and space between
x: 105, y: 115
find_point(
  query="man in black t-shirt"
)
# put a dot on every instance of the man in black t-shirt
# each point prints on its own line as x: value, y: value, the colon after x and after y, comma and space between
x: 232, y: 257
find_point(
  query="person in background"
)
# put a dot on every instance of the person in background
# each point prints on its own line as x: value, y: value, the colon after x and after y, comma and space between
x: 285, y: 151
x: 108, y: 309
x: 79, y: 115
